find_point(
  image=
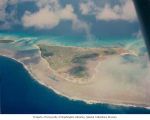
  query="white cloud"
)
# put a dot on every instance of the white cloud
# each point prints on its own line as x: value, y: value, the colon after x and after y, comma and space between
x: 138, y: 34
x: 47, y: 17
x: 52, y: 4
x: 124, y: 10
x: 107, y: 13
x: 128, y: 11
x: 41, y: 19
x: 3, y: 4
x: 7, y: 18
x: 124, y: 77
x: 50, y: 14
x: 68, y: 13
x: 88, y: 7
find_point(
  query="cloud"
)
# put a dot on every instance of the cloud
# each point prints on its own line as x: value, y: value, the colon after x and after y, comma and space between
x: 47, y: 17
x: 7, y: 19
x: 41, y: 19
x: 122, y: 78
x: 124, y: 10
x: 108, y: 13
x: 88, y: 7
x: 50, y: 14
x: 3, y: 4
x: 52, y: 4
x: 68, y: 13
x: 138, y: 34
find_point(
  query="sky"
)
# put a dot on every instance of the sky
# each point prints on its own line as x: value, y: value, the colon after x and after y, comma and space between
x: 101, y: 18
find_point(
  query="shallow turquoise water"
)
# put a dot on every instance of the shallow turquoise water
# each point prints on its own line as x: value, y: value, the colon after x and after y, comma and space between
x: 80, y: 41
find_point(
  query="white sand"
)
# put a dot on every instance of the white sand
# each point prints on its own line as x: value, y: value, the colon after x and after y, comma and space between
x: 107, y: 86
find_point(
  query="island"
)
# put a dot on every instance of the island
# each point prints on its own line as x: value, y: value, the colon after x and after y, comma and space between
x: 94, y: 75
x: 6, y: 41
x: 75, y: 64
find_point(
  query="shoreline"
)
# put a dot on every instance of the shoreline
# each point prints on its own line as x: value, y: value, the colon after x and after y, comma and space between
x: 90, y: 102
x: 78, y: 47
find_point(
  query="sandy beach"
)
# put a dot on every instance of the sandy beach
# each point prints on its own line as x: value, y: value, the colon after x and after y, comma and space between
x: 105, y: 85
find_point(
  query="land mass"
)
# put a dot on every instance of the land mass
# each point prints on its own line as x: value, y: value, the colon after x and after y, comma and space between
x: 73, y: 63
x: 94, y: 75
x: 6, y: 41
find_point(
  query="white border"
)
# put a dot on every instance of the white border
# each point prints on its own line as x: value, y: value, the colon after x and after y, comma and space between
x: 75, y: 117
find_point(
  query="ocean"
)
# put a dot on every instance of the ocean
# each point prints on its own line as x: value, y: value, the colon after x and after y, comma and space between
x: 77, y: 41
x: 21, y: 94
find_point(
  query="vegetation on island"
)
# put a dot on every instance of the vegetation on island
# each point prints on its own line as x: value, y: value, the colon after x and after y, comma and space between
x: 72, y: 60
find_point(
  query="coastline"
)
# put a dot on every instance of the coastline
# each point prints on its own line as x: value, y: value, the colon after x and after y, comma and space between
x: 70, y: 97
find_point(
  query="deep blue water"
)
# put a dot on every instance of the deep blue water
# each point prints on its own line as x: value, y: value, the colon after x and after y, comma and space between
x: 20, y: 93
